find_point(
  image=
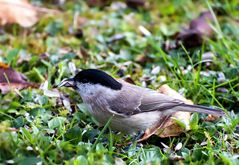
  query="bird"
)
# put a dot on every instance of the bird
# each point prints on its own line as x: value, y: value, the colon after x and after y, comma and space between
x: 131, y: 108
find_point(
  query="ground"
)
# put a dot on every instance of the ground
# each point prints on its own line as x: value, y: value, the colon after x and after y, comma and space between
x: 35, y: 126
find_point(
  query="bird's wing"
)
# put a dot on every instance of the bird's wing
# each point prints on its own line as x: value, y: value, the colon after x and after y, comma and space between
x: 134, y: 99
x: 127, y: 101
x: 152, y: 100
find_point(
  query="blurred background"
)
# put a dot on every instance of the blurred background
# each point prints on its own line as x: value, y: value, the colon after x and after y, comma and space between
x: 192, y: 46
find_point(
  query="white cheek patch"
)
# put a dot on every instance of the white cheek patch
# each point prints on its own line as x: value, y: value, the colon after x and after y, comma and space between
x: 84, y: 89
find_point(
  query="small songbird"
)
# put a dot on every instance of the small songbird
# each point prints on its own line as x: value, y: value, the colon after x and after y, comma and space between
x: 133, y: 108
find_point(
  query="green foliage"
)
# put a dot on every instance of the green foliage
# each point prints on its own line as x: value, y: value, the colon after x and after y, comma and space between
x: 35, y: 128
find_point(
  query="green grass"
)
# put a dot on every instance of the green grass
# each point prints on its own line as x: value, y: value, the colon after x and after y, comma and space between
x: 35, y: 128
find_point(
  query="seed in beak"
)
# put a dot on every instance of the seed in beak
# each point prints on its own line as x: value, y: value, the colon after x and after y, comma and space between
x: 67, y: 82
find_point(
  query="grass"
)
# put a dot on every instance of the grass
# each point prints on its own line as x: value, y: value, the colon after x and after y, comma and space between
x: 35, y: 128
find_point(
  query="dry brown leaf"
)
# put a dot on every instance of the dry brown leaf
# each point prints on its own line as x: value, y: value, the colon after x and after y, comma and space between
x: 165, y: 89
x: 21, y: 12
x: 199, y: 28
x: 211, y: 118
x: 171, y: 128
x: 11, y: 79
x: 17, y: 11
x: 168, y: 127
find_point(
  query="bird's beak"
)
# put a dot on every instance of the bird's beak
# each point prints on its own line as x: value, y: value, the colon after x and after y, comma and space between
x: 67, y: 82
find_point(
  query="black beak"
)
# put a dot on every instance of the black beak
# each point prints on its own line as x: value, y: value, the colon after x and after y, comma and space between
x: 67, y: 82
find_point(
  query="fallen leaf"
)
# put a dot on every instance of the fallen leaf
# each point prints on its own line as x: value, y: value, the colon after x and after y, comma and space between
x: 168, y: 126
x: 11, y: 79
x: 11, y: 11
x: 211, y: 118
x: 171, y: 128
x: 165, y: 89
x: 21, y: 12
x: 198, y: 30
x: 135, y: 4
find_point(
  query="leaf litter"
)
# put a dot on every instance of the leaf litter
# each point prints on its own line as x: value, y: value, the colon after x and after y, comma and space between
x: 199, y: 29
x: 11, y: 79
x: 21, y: 12
x: 145, y: 61
x: 170, y: 128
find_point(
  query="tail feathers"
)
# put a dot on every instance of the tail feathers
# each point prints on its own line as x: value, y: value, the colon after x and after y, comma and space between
x: 201, y: 109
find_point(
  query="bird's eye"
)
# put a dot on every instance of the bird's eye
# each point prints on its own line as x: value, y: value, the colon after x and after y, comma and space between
x: 84, y: 80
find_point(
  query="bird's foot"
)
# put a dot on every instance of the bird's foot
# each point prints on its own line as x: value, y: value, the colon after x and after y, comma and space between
x: 138, y: 136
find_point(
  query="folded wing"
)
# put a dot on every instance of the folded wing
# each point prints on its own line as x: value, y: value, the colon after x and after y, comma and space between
x: 133, y: 100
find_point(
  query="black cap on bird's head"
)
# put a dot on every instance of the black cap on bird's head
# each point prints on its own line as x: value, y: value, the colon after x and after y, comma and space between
x: 92, y: 76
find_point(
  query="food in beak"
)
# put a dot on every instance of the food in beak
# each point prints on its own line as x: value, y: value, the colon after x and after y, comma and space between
x: 68, y: 82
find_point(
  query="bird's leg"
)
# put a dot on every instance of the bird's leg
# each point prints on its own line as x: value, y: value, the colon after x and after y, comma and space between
x: 149, y: 132
x: 135, y: 138
x: 138, y: 136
